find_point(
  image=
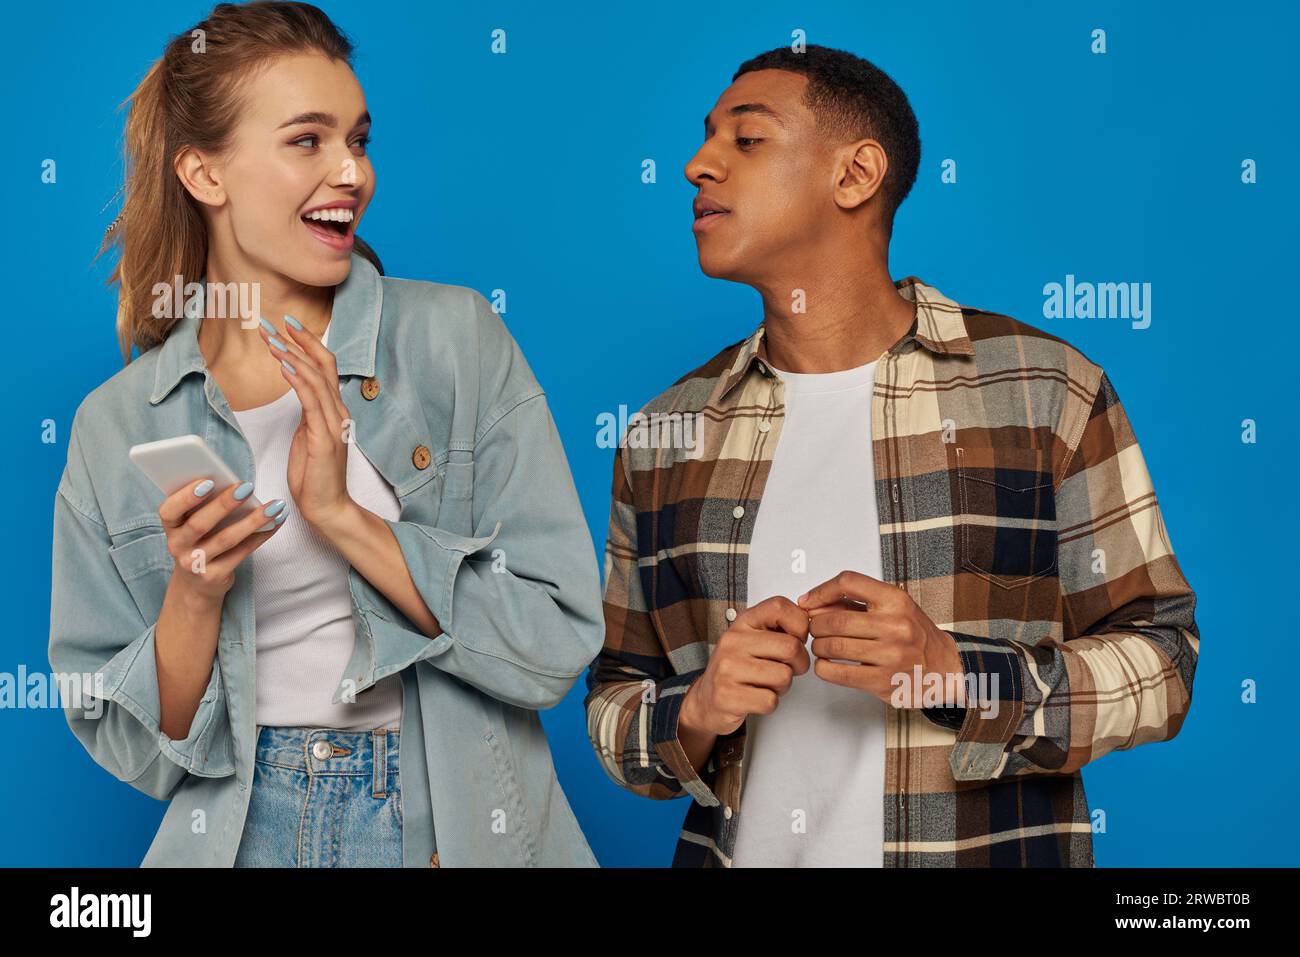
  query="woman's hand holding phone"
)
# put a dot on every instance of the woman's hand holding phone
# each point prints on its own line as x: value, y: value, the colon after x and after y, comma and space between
x: 206, y: 559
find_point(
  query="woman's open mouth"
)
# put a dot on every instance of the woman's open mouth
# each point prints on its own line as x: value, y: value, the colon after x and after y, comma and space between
x: 333, y: 227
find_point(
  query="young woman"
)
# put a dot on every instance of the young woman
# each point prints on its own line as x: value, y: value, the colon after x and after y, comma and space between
x: 350, y: 674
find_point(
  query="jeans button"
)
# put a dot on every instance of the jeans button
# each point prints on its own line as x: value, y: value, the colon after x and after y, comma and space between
x: 322, y: 749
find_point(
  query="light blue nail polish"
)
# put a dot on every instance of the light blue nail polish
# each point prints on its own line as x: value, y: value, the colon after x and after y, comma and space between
x: 279, y: 345
x: 267, y: 326
x: 275, y: 508
x: 279, y: 519
x: 292, y: 370
x: 244, y: 491
x: 203, y: 488
x: 293, y: 322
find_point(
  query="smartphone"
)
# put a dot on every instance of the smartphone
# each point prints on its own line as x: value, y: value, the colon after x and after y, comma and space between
x: 172, y: 464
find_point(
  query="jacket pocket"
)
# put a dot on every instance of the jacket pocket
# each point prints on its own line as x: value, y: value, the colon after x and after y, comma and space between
x: 145, y: 566
x: 1005, y: 527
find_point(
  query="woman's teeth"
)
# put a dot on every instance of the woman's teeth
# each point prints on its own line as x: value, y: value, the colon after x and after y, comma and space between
x: 331, y: 215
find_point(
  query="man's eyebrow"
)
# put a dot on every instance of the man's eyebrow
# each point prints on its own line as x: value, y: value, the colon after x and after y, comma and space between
x: 322, y: 119
x: 742, y: 108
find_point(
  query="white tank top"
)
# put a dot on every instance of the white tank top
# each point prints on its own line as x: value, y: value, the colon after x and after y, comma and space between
x: 305, y: 632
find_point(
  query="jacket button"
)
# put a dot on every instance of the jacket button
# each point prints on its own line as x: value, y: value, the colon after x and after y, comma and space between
x: 420, y: 457
x: 321, y: 749
x: 369, y: 387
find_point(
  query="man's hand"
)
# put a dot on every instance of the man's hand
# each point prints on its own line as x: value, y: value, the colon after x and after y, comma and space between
x: 753, y: 664
x: 891, y: 636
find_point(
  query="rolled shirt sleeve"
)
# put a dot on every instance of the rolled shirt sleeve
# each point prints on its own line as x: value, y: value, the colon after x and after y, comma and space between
x: 1123, y: 675
x: 98, y: 634
x: 519, y: 599
x: 634, y: 696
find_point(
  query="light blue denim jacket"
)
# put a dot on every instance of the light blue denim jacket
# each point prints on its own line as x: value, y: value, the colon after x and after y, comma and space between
x: 491, y: 530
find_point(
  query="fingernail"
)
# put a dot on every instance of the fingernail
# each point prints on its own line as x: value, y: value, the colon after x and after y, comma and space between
x: 279, y: 345
x: 292, y: 370
x: 267, y: 326
x: 279, y: 519
x: 293, y: 322
x: 204, y: 487
x: 244, y: 491
x: 275, y: 508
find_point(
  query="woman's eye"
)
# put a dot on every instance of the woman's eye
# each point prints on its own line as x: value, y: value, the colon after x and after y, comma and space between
x: 361, y: 143
x: 300, y: 141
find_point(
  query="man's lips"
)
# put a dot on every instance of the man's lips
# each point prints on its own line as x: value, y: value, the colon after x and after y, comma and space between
x: 708, y: 220
x: 707, y: 212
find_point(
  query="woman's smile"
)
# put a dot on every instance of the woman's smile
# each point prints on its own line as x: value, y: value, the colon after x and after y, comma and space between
x: 333, y: 224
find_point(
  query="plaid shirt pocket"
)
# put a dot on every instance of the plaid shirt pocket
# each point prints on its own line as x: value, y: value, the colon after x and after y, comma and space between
x: 1006, y: 512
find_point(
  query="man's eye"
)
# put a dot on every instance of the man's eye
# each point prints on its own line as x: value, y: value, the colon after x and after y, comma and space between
x: 310, y: 136
x: 744, y: 142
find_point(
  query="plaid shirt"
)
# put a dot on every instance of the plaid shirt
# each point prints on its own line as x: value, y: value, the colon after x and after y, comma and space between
x: 1015, y: 509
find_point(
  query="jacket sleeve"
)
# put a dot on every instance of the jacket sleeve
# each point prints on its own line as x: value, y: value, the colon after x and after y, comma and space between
x: 519, y: 599
x: 1123, y: 674
x: 102, y: 644
x: 633, y: 694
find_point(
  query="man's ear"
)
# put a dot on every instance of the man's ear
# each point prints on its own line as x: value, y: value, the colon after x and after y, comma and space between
x: 859, y: 173
x: 199, y: 177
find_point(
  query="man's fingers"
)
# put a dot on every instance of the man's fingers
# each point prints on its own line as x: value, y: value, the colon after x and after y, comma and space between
x: 857, y: 624
x: 777, y: 613
x: 852, y: 585
x: 776, y: 646
x: 840, y: 648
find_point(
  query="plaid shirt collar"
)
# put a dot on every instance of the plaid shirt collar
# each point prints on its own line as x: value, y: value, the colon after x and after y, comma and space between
x: 938, y: 326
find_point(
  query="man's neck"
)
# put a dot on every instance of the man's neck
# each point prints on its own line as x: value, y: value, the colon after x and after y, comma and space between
x: 844, y: 315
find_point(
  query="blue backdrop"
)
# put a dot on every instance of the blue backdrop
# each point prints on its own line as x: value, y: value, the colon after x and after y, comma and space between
x: 523, y: 171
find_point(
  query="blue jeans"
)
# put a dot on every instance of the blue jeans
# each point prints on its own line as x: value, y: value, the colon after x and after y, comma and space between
x: 324, y: 798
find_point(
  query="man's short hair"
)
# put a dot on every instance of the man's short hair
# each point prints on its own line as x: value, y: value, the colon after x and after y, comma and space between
x: 854, y: 99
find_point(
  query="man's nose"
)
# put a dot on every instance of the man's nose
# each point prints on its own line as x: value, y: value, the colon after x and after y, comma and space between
x: 702, y: 166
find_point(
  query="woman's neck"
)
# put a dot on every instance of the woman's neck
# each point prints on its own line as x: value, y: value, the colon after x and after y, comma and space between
x: 231, y: 340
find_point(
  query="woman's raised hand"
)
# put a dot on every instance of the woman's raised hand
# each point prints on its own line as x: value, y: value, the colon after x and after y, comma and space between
x: 318, y: 456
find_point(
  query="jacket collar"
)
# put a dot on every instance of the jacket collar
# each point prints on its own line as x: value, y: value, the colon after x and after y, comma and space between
x: 939, y: 326
x: 354, y: 331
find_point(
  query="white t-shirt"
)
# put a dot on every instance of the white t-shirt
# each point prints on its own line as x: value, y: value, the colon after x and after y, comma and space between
x: 305, y: 632
x: 815, y: 779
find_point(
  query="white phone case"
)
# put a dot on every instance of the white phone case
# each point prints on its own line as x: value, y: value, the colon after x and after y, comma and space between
x: 173, y: 463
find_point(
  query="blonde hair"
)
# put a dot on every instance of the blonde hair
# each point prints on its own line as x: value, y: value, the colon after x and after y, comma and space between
x: 190, y: 98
